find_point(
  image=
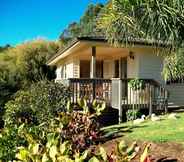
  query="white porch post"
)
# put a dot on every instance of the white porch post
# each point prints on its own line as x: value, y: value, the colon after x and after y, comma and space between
x: 120, y: 101
x: 93, y: 63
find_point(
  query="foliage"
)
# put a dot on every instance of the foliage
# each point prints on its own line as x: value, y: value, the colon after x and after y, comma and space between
x: 174, y: 66
x: 40, y: 103
x: 87, y: 25
x: 149, y: 19
x: 132, y: 114
x: 3, y: 48
x: 145, y: 155
x: 136, y: 84
x: 126, y: 153
x: 9, y: 141
x: 24, y: 64
x: 56, y: 150
x: 80, y: 127
x: 67, y: 135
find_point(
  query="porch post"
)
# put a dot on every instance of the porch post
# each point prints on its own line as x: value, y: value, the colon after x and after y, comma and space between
x: 120, y: 101
x: 93, y: 63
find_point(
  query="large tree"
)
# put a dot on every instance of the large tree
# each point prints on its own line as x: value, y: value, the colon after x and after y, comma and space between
x: 24, y: 64
x: 151, y: 20
x: 87, y: 26
x: 161, y: 20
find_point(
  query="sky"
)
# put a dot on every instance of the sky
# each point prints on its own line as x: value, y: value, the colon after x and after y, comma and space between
x: 24, y: 20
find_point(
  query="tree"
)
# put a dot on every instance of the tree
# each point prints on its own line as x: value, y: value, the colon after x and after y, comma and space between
x: 161, y: 20
x: 151, y: 20
x: 23, y: 65
x: 3, y: 48
x: 87, y: 25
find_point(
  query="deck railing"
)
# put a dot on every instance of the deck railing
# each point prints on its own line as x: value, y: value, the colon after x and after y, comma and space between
x: 118, y: 92
x: 90, y: 89
x: 150, y: 96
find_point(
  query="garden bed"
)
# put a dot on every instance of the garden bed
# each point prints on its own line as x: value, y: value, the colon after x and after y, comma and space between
x: 172, y: 151
x: 166, y: 137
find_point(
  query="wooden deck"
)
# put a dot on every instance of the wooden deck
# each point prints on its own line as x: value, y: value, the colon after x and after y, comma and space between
x: 117, y: 93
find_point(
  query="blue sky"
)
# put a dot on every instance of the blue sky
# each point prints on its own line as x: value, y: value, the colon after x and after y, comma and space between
x: 22, y: 20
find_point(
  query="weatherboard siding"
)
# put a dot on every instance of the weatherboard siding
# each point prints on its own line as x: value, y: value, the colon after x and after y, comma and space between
x: 150, y: 66
x: 176, y: 94
x: 132, y: 67
x: 76, y: 68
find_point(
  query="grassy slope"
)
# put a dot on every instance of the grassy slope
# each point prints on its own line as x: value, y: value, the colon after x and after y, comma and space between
x: 161, y: 131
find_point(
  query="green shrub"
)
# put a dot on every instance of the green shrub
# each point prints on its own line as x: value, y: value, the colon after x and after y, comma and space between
x: 133, y: 114
x: 137, y: 84
x: 81, y: 128
x: 9, y: 141
x: 40, y: 103
x: 58, y: 150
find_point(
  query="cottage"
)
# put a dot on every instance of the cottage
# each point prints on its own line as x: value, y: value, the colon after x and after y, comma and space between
x: 95, y: 69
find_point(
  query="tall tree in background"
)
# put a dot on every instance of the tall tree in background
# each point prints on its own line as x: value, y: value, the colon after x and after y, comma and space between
x: 87, y: 26
x: 24, y: 64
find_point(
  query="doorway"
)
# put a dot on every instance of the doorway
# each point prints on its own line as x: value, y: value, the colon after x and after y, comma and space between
x: 85, y: 69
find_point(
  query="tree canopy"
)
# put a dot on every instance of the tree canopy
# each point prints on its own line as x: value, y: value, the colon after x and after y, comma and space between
x: 85, y: 27
x: 153, y: 20
x: 161, y: 20
x: 24, y: 64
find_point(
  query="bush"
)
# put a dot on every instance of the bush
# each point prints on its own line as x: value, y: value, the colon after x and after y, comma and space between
x: 80, y: 127
x: 133, y: 114
x: 40, y: 103
x: 9, y: 141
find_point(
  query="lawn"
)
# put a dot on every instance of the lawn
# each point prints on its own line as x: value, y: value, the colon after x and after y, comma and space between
x: 166, y: 130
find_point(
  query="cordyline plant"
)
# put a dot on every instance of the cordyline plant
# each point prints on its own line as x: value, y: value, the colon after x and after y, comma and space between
x: 80, y: 127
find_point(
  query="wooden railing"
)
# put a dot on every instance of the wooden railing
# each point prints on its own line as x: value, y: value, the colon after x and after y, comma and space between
x: 90, y: 89
x: 151, y: 95
x: 118, y: 92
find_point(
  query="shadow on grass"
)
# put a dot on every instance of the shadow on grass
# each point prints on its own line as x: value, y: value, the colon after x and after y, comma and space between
x: 117, y: 131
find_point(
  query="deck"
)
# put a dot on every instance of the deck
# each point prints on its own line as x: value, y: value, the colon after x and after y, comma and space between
x: 117, y: 91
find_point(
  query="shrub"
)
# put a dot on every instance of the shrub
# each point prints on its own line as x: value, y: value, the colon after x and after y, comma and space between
x: 38, y: 104
x: 56, y: 150
x: 133, y: 114
x: 137, y: 84
x: 9, y: 141
x: 81, y: 128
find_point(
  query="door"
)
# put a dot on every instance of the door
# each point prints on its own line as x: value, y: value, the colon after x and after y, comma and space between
x: 84, y: 69
x: 120, y: 68
x: 99, y: 69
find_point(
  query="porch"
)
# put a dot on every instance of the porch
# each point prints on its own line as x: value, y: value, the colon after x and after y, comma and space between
x: 118, y: 94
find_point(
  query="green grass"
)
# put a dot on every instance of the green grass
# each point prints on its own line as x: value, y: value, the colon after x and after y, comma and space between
x: 166, y: 130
